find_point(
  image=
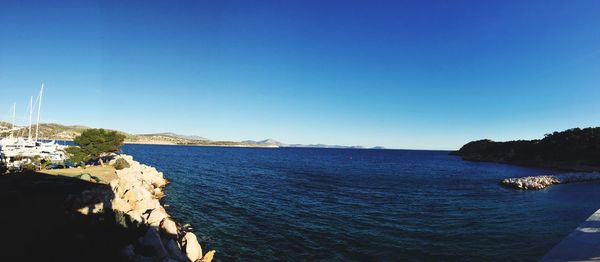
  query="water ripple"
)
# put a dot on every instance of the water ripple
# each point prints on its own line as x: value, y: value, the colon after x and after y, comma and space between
x: 255, y: 204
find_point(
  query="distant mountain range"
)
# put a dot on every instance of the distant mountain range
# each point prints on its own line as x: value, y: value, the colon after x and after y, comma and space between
x: 265, y: 142
x: 64, y: 132
x: 169, y: 134
x: 280, y: 144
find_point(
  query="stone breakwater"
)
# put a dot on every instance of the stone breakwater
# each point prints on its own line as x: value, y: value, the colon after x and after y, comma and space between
x: 540, y: 182
x: 133, y: 198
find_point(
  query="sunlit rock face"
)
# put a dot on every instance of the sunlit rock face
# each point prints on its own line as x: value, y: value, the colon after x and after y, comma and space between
x: 541, y: 182
x: 134, y: 195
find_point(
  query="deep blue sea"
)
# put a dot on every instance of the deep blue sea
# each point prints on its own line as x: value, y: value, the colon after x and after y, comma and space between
x: 299, y: 204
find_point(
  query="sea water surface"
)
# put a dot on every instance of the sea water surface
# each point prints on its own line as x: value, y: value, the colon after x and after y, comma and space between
x: 302, y: 204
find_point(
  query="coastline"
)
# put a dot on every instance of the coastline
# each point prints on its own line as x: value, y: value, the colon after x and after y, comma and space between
x: 167, y: 143
x: 565, y: 167
x: 573, y: 149
x: 84, y: 217
x: 175, y: 144
x: 565, y: 174
x: 132, y: 198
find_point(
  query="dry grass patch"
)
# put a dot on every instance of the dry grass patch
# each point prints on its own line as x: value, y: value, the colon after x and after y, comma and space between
x: 105, y: 173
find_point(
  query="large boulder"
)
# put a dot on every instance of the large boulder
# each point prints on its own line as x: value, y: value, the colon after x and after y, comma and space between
x: 193, y: 251
x: 158, y: 193
x: 139, y: 198
x: 114, y: 186
x: 168, y: 226
x: 147, y: 186
x: 121, y: 205
x: 175, y: 251
x: 131, y: 198
x: 152, y: 176
x: 147, y: 204
x: 152, y: 239
x: 86, y: 177
x: 208, y: 257
x: 156, y: 216
x: 136, y: 216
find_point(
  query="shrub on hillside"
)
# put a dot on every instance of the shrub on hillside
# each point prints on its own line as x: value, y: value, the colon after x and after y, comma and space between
x: 30, y: 167
x: 120, y: 163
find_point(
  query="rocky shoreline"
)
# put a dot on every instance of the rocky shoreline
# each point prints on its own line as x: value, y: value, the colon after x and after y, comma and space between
x: 541, y: 182
x: 133, y: 200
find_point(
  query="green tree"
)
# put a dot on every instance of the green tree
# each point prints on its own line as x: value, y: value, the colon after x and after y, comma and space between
x: 94, y: 143
x: 77, y: 155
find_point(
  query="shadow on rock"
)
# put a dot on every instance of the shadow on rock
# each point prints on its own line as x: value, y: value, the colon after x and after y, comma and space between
x: 57, y: 218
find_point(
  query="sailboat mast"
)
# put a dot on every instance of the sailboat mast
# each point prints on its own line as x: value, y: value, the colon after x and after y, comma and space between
x: 14, y: 111
x: 37, y: 125
x: 30, y: 114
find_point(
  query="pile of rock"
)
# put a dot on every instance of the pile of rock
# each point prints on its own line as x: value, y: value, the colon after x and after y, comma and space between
x: 135, y: 195
x: 540, y: 182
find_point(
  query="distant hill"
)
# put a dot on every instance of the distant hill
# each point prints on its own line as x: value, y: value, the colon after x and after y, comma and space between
x: 169, y: 134
x: 65, y: 132
x: 574, y: 149
x: 268, y: 141
x: 53, y: 131
x: 333, y: 146
x: 280, y: 144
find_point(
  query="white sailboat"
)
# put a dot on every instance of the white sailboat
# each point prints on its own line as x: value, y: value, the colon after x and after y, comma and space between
x: 15, y: 149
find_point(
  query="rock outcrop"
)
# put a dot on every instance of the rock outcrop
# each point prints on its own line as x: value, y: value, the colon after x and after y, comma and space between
x: 570, y: 150
x: 192, y: 247
x: 541, y: 182
x: 134, y: 197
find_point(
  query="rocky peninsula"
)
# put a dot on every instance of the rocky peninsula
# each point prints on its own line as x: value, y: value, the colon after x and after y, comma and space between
x: 133, y: 198
x: 541, y: 182
x: 571, y: 150
x: 116, y: 217
x: 575, y: 150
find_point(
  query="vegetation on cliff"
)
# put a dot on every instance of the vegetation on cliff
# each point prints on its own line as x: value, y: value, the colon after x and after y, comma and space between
x: 574, y: 149
x: 93, y: 143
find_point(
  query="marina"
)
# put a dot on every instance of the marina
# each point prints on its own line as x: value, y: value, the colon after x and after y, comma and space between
x: 16, y: 149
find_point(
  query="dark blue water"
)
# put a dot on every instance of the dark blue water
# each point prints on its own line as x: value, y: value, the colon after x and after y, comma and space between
x: 291, y: 204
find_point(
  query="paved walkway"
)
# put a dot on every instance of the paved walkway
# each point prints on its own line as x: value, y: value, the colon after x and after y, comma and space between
x: 583, y: 244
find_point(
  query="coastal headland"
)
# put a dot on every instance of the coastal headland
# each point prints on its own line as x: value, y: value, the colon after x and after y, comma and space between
x: 573, y: 150
x: 109, y: 217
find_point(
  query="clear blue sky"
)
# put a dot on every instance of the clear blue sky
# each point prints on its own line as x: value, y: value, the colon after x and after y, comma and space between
x: 401, y: 74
